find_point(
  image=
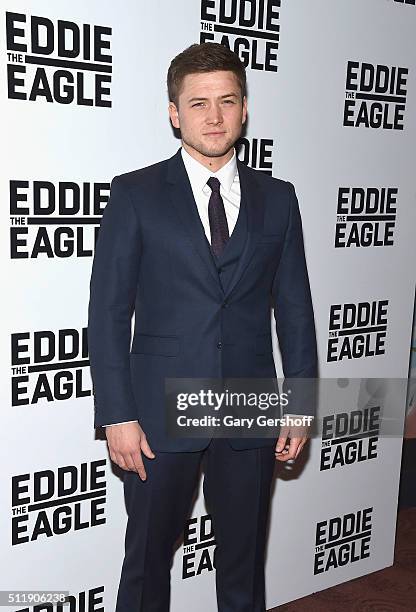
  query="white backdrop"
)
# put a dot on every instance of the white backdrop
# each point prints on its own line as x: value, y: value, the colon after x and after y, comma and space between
x: 67, y: 534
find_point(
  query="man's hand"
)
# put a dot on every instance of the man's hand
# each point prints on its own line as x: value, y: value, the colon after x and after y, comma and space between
x: 126, y: 442
x: 298, y: 436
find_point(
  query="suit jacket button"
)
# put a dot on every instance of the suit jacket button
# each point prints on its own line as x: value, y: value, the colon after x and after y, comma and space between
x: 219, y: 345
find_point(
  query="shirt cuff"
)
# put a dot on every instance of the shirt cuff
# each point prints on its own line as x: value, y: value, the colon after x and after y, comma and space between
x: 121, y: 423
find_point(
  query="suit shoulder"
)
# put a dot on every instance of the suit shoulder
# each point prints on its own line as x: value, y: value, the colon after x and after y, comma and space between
x: 143, y: 176
x: 269, y: 182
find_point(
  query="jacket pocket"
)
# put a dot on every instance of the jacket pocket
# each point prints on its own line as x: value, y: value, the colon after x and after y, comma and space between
x: 146, y: 344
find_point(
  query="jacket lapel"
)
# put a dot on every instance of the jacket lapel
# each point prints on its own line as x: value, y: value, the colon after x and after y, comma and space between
x: 182, y: 199
x: 252, y: 198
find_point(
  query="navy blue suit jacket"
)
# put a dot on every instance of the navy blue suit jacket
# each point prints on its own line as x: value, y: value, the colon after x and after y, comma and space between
x: 152, y: 258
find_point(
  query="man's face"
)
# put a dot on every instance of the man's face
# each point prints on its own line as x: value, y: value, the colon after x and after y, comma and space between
x: 211, y: 112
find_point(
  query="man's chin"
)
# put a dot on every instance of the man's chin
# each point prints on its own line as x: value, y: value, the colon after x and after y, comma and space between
x: 215, y: 150
x: 211, y: 149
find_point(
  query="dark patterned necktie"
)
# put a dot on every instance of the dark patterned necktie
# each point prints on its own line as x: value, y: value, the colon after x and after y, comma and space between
x: 217, y: 218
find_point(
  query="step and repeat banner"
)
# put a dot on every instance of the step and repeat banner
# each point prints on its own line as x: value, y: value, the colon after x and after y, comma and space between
x: 331, y: 96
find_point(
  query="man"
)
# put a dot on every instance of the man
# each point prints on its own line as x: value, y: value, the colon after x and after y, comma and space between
x: 197, y: 246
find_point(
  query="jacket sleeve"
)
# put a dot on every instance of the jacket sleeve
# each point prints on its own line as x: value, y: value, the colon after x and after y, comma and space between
x: 294, y: 317
x: 113, y: 288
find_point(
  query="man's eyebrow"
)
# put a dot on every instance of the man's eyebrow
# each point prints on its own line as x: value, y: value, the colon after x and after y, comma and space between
x: 224, y: 96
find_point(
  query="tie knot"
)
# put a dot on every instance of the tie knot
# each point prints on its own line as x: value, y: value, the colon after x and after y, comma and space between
x: 214, y: 183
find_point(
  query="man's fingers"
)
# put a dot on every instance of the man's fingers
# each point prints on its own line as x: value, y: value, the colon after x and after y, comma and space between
x: 298, y: 451
x: 144, y: 445
x: 126, y: 442
x: 290, y: 452
x: 131, y: 462
x: 281, y: 442
x: 281, y: 448
x: 300, y: 447
x: 138, y: 464
x: 119, y: 460
x: 293, y: 447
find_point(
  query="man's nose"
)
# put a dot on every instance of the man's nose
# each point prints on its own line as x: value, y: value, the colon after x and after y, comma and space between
x: 214, y: 115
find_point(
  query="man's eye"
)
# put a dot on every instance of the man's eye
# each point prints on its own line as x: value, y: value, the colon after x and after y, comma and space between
x: 197, y: 104
x: 229, y: 101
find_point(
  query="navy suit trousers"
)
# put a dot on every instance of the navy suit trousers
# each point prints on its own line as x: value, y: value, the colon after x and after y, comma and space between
x: 237, y: 493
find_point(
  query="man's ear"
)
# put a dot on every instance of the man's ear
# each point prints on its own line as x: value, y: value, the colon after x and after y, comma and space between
x: 244, y: 109
x: 174, y: 115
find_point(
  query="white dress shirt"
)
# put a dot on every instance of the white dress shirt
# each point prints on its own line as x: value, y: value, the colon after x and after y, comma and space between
x: 229, y: 189
x: 198, y: 175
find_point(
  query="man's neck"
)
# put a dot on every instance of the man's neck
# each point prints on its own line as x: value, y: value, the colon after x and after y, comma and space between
x: 212, y: 163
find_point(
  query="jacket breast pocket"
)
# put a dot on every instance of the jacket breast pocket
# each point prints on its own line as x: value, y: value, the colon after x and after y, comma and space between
x: 269, y: 239
x: 146, y: 344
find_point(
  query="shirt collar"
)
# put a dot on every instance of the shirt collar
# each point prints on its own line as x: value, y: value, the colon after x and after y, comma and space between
x: 199, y: 174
